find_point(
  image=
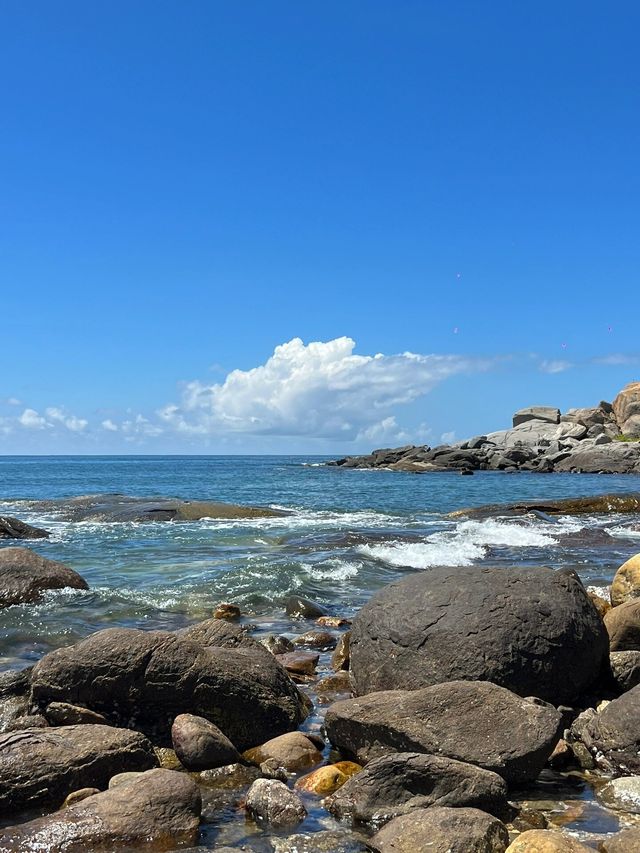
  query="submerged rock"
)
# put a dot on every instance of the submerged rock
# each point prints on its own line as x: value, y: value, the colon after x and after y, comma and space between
x: 145, y: 679
x: 25, y: 575
x: 533, y: 630
x: 159, y: 809
x: 41, y: 767
x: 327, y: 841
x: 13, y: 528
x: 401, y: 782
x: 271, y: 802
x: 474, y: 722
x: 592, y: 504
x: 442, y: 830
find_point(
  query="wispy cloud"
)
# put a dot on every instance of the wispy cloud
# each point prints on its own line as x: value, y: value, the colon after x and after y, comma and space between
x: 617, y: 359
x: 555, y: 366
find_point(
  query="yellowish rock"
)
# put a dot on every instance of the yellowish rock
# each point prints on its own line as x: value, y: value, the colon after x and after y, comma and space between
x: 546, y: 841
x: 326, y: 780
x: 167, y: 758
x: 626, y: 583
x: 293, y: 751
x: 600, y: 603
x: 79, y: 795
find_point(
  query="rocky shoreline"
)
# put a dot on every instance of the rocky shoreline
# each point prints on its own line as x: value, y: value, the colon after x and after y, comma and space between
x: 604, y: 439
x: 438, y: 715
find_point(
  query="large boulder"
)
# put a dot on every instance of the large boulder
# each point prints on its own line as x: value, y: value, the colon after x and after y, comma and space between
x: 612, y: 735
x: 625, y: 669
x: 442, y: 830
x: 401, y: 782
x: 475, y: 722
x: 548, y: 414
x: 25, y: 575
x: 13, y: 528
x: 221, y: 634
x: 623, y: 626
x: 626, y: 581
x: 626, y: 408
x: 533, y: 630
x: 616, y: 457
x: 144, y: 679
x: 40, y: 767
x: 627, y: 841
x: 158, y: 810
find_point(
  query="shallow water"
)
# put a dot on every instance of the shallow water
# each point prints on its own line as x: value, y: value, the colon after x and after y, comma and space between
x: 348, y: 533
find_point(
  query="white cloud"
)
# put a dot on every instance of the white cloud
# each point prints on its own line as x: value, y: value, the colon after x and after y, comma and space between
x: 448, y: 437
x: 616, y: 359
x: 71, y: 422
x: 109, y: 425
x: 30, y: 419
x: 13, y: 401
x: 321, y: 389
x: 555, y: 366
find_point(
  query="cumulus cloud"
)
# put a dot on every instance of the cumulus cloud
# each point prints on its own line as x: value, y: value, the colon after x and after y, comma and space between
x: 557, y: 366
x: 320, y: 389
x: 30, y: 419
x: 109, y: 425
x: 71, y: 422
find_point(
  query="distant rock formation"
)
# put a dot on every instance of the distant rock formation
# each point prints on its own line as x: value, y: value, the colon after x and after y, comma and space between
x: 597, y: 440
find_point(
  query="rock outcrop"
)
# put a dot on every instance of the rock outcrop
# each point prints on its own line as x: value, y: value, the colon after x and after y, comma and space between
x: 144, y: 679
x: 532, y: 630
x: 13, y: 528
x: 591, y: 440
x: 25, y: 576
x: 474, y: 722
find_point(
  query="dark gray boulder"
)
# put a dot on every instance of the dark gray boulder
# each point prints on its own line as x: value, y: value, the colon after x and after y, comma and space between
x: 533, y: 630
x: 41, y: 767
x: 200, y: 745
x: 144, y: 679
x: 13, y: 528
x: 25, y: 575
x: 474, y: 722
x: 398, y: 783
x: 625, y: 669
x: 442, y: 830
x: 612, y: 735
x: 157, y: 810
x: 221, y: 634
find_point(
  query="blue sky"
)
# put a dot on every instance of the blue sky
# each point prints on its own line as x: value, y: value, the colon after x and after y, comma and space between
x: 187, y: 187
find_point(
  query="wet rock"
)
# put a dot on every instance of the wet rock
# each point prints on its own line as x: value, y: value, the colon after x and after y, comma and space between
x: 332, y: 621
x: 317, y: 640
x: 230, y: 612
x: 25, y: 575
x: 627, y: 841
x: 474, y: 722
x: 13, y: 528
x: 63, y: 714
x: 298, y: 607
x: 278, y: 645
x: 270, y: 769
x: 625, y: 669
x: 301, y: 663
x: 623, y: 626
x: 327, y: 841
x: 590, y: 505
x: 404, y: 781
x: 546, y: 841
x: 221, y: 634
x: 271, y: 802
x: 15, y: 688
x: 200, y: 745
x: 340, y: 657
x: 78, y: 796
x: 340, y: 682
x: 442, y: 830
x: 40, y: 767
x: 293, y: 751
x: 626, y: 582
x: 167, y: 758
x: 326, y: 780
x: 158, y: 810
x: 532, y: 630
x: 612, y: 735
x: 622, y: 794
x: 145, y: 679
x: 233, y: 777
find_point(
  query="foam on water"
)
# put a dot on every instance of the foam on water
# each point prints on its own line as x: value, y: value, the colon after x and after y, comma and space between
x: 467, y: 542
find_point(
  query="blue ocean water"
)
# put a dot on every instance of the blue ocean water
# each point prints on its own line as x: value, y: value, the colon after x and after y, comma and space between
x: 347, y: 533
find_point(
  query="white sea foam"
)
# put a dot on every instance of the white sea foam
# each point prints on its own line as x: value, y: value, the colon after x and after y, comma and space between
x: 332, y: 569
x: 467, y: 542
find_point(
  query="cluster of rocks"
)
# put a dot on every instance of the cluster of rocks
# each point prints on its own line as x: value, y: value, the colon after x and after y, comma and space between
x: 450, y: 690
x: 603, y: 439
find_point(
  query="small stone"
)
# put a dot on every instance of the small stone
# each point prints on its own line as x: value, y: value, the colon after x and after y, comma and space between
x: 340, y: 657
x: 601, y: 604
x: 326, y: 780
x: 167, y: 758
x: 77, y: 796
x: 200, y: 745
x: 230, y: 612
x: 301, y: 663
x: 298, y: 607
x: 63, y: 714
x: 340, y: 682
x: 332, y: 621
x: 529, y: 819
x: 317, y: 640
x: 271, y: 802
x: 293, y: 751
x: 562, y: 756
x: 270, y: 769
x: 278, y: 645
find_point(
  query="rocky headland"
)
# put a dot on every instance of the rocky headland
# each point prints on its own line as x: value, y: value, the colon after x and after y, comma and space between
x: 604, y: 439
